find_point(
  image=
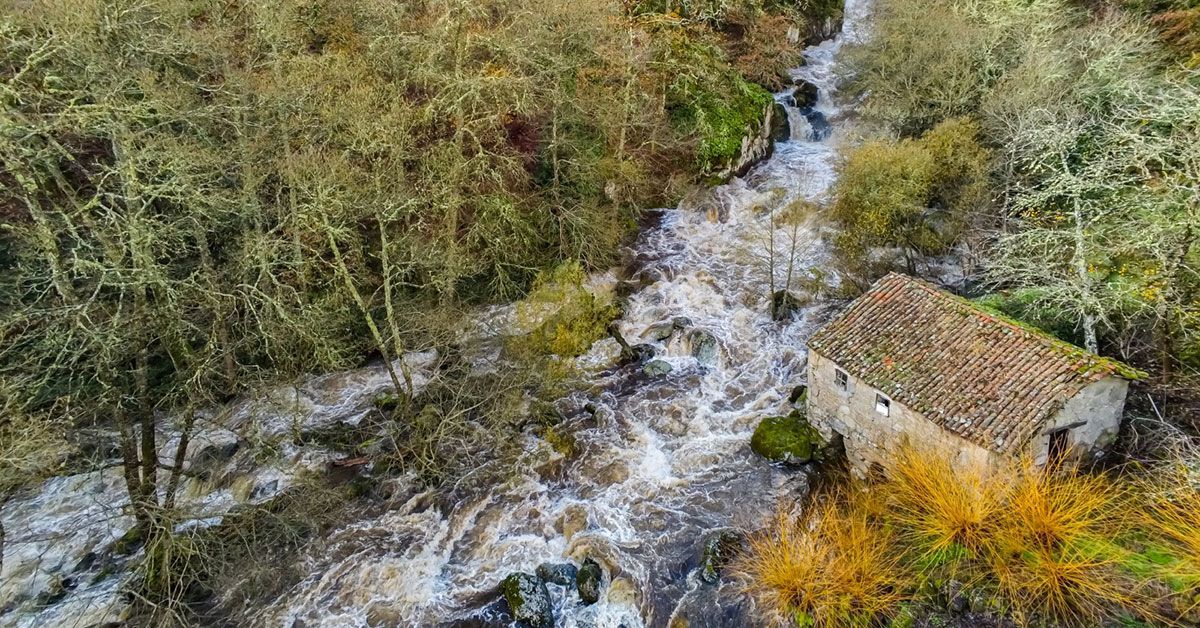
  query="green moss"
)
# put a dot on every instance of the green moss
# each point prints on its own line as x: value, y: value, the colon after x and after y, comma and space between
x: 788, y: 439
x: 566, y: 317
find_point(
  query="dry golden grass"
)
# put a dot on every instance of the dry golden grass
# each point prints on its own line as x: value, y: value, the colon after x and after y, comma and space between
x: 940, y: 506
x: 1172, y: 516
x: 1043, y: 545
x: 836, y: 566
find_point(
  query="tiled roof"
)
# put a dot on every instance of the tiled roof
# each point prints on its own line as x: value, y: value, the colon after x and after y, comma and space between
x: 978, y: 374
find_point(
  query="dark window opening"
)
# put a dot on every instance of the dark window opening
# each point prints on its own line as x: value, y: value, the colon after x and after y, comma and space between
x: 1060, y: 442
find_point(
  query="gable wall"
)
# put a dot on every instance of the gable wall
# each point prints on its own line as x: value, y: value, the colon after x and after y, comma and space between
x: 1098, y: 408
x: 869, y: 436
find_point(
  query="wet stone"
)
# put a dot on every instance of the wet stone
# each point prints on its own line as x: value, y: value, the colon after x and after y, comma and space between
x: 704, y: 347
x: 589, y: 581
x: 719, y: 549
x: 805, y: 94
x: 659, y: 331
x: 657, y: 368
x: 558, y: 573
x: 528, y: 600
x: 681, y: 322
x: 574, y: 520
x: 788, y: 439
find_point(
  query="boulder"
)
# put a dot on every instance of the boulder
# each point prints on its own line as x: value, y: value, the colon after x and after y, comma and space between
x: 784, y: 304
x: 781, y: 129
x: 589, y: 581
x: 558, y: 573
x: 681, y: 322
x: 719, y: 548
x: 657, y: 368
x: 789, y: 439
x: 704, y: 346
x: 528, y: 600
x: 659, y: 331
x: 573, y: 521
x: 805, y: 94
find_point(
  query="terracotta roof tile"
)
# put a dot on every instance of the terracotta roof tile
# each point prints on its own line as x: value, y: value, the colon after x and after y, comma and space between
x: 985, y: 377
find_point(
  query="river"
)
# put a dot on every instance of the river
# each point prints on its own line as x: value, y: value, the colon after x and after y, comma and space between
x: 662, y: 462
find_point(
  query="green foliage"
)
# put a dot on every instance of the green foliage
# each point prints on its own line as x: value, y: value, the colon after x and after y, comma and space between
x: 565, y: 317
x: 911, y: 195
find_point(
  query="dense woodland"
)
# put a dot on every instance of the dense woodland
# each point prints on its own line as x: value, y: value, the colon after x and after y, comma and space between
x: 199, y: 199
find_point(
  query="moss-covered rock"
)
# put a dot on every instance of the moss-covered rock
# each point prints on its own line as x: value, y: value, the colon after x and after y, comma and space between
x: 789, y: 439
x: 719, y: 548
x: 657, y: 368
x: 589, y: 581
x: 528, y: 600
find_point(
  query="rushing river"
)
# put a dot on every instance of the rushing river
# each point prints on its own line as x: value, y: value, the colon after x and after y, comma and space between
x: 667, y: 461
x: 662, y: 462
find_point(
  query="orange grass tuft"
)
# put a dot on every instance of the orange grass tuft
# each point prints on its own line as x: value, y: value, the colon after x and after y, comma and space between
x: 836, y: 566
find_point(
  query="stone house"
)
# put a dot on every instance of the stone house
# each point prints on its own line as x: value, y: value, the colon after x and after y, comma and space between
x: 907, y: 361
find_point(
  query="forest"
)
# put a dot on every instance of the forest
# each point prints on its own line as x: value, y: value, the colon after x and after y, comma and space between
x: 203, y: 200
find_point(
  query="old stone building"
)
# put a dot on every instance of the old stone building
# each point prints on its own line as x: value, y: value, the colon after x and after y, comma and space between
x: 909, y: 361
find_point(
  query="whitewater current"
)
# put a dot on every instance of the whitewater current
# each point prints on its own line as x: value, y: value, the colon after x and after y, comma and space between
x: 660, y: 463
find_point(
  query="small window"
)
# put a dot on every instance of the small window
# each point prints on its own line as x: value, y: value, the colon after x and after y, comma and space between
x: 883, y: 405
x: 840, y: 379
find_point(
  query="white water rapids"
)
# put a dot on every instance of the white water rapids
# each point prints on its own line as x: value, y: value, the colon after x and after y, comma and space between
x: 664, y: 463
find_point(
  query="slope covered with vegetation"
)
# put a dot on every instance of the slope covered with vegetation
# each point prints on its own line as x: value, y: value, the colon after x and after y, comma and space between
x: 199, y: 198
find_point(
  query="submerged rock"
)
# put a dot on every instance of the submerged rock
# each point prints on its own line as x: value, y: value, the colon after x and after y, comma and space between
x: 657, y: 368
x: 784, y: 304
x: 789, y: 439
x: 573, y: 520
x: 719, y: 548
x: 528, y: 600
x: 704, y: 346
x: 589, y: 581
x: 659, y: 331
x: 558, y: 573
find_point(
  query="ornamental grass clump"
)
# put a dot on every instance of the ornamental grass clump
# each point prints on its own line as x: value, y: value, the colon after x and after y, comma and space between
x: 942, y: 510
x: 1172, y: 516
x: 837, y: 565
x: 1053, y: 554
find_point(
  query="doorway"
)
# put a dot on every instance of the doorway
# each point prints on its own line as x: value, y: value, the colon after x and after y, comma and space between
x: 1060, y: 443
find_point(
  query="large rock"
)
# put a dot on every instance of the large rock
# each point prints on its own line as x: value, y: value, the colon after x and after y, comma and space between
x: 659, y: 331
x: 558, y: 573
x: 528, y: 600
x: 719, y: 548
x: 704, y: 345
x: 781, y: 129
x: 657, y: 368
x: 788, y: 439
x: 805, y: 95
x: 784, y: 304
x: 589, y: 581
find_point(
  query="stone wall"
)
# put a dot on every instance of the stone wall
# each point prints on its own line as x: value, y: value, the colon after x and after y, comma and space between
x: 870, y: 437
x: 1093, y: 417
